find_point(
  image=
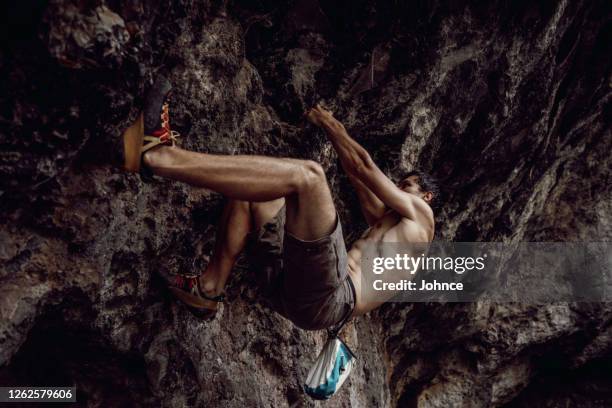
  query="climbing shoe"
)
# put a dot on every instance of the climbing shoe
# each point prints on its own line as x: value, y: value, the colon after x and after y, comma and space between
x: 151, y: 129
x: 186, y: 288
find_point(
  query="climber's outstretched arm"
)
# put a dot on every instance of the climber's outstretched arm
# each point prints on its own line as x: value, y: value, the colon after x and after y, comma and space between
x: 371, y: 206
x: 357, y: 162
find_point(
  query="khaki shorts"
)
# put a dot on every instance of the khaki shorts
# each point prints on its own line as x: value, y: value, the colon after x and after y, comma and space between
x: 305, y: 281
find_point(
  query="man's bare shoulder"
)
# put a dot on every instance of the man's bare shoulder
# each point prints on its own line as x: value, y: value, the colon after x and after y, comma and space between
x: 419, y: 230
x: 424, y: 215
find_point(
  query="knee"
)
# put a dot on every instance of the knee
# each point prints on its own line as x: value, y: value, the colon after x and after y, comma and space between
x: 311, y: 175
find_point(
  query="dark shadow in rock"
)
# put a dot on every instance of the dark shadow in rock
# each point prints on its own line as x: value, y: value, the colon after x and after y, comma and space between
x: 587, y: 386
x: 62, y: 350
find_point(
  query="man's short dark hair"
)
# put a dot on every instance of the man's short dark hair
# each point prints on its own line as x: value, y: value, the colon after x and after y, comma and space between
x: 427, y: 183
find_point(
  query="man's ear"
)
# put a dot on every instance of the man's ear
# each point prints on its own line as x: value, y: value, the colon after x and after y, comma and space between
x: 428, y: 196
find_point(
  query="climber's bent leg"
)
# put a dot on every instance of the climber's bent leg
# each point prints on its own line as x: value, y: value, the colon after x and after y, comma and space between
x: 232, y: 231
x: 310, y: 209
x: 316, y: 291
x: 237, y: 220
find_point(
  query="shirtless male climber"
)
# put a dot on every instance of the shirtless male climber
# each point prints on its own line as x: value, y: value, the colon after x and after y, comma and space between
x: 281, y: 211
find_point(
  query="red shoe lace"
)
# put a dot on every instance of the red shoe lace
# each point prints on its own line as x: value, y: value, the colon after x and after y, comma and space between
x: 179, y: 281
x: 165, y: 134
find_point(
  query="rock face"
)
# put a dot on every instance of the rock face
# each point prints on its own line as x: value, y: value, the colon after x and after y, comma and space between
x: 505, y: 102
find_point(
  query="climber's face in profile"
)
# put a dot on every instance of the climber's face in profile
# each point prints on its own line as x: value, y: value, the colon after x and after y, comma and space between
x: 411, y: 185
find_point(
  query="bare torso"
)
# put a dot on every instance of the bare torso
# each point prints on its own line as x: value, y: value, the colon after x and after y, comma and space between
x: 391, y: 227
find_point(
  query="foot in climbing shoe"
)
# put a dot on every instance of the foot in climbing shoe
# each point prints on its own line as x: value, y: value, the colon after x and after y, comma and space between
x: 187, y: 289
x: 151, y: 129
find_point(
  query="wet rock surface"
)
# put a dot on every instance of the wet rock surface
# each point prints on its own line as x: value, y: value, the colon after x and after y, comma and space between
x: 506, y: 103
